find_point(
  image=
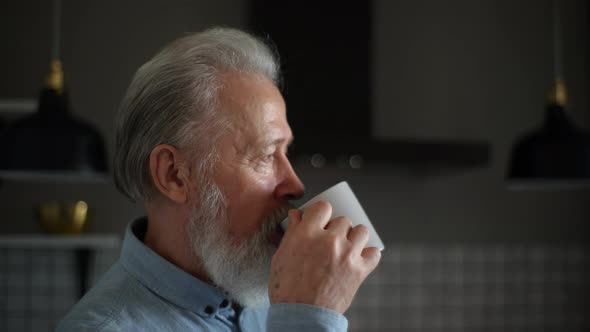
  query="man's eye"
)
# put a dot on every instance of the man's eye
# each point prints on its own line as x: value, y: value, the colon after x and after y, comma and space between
x: 268, y: 158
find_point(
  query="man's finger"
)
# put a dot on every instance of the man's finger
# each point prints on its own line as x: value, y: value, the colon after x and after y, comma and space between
x: 317, y: 216
x: 372, y: 256
x: 359, y: 236
x: 339, y: 225
x: 294, y: 218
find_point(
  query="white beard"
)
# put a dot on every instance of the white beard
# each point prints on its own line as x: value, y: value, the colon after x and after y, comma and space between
x: 241, y: 270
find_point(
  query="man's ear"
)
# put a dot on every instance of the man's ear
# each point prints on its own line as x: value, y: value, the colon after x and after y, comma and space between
x: 170, y: 173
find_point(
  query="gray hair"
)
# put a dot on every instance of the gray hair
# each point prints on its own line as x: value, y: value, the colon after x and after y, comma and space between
x: 172, y: 100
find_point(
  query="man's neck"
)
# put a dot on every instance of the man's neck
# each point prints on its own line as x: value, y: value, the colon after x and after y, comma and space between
x: 167, y: 236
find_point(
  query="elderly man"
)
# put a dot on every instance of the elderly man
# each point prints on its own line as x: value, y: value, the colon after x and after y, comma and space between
x: 202, y: 137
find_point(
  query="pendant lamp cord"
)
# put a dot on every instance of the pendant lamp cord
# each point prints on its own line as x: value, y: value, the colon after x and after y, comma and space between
x: 56, y: 33
x: 557, y: 42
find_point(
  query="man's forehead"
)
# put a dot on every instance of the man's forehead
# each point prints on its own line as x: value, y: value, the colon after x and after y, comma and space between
x: 255, y: 110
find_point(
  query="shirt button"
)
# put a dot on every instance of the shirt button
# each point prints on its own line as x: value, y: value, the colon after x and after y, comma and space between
x: 224, y: 303
x: 209, y: 310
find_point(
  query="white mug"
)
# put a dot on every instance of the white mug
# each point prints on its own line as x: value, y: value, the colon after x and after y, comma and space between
x: 344, y: 203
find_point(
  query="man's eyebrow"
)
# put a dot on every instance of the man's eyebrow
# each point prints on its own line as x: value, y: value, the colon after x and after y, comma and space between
x: 279, y: 141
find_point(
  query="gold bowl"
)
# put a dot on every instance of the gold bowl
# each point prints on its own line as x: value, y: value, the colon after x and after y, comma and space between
x: 63, y: 217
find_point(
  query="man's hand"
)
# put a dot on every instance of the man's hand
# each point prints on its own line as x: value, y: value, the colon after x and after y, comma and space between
x: 321, y: 261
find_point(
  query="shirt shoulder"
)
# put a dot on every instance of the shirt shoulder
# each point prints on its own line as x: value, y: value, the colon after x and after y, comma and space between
x: 101, y: 305
x: 120, y: 302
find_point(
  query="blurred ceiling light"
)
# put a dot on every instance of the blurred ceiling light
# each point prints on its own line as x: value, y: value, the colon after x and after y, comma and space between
x: 52, y: 141
x: 557, y: 154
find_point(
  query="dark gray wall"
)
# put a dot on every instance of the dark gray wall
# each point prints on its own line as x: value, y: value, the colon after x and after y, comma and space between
x: 103, y: 43
x: 475, y: 69
x: 453, y: 69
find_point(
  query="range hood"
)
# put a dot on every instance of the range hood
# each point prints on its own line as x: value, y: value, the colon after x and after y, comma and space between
x: 325, y: 52
x: 358, y: 153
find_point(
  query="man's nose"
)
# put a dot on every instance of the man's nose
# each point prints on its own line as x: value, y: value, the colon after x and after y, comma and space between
x: 291, y: 188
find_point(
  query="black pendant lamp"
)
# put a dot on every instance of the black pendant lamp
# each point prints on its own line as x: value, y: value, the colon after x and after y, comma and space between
x: 557, y: 154
x: 52, y: 141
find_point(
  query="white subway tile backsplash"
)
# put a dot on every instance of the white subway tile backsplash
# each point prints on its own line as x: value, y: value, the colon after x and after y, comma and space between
x: 37, y: 287
x: 476, y: 288
x: 416, y: 288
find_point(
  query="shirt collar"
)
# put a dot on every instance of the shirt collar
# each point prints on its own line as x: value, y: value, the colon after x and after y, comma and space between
x: 166, y: 279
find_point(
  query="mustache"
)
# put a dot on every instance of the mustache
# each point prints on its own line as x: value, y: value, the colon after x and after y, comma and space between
x: 273, y: 221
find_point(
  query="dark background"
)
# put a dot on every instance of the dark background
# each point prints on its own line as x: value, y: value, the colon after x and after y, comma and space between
x: 459, y: 70
x: 463, y: 253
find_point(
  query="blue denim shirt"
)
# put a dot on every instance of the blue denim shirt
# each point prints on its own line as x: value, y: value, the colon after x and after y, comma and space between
x: 145, y: 292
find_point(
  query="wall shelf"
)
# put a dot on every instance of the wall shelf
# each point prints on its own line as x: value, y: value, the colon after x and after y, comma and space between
x: 18, y: 106
x: 42, y: 241
x: 55, y: 176
x: 12, y: 109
